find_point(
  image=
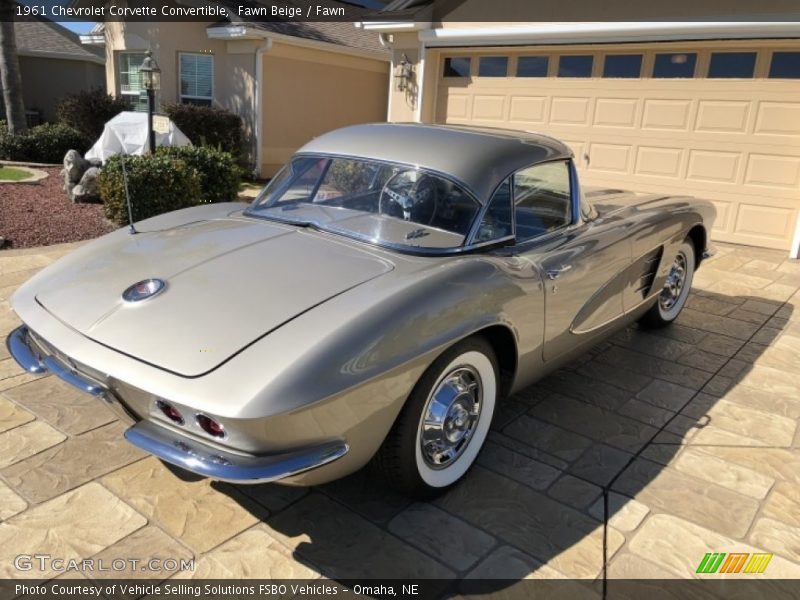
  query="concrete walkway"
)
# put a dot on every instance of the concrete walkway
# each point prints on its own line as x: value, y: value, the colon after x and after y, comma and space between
x: 691, y: 432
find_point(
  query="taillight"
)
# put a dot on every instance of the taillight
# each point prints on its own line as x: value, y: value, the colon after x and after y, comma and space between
x: 210, y: 426
x: 172, y: 413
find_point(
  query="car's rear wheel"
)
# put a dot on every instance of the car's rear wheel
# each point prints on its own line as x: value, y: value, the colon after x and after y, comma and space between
x: 676, y: 288
x: 443, y: 425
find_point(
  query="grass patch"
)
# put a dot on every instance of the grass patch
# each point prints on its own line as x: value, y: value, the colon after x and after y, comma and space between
x: 12, y: 174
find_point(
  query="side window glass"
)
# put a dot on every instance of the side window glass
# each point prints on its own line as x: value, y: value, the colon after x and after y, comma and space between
x: 542, y: 199
x: 496, y: 223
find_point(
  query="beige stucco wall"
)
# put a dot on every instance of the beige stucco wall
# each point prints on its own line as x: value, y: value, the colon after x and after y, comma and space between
x: 234, y: 64
x: 45, y: 81
x: 308, y: 92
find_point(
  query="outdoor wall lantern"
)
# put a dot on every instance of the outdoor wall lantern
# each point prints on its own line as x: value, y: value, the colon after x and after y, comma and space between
x: 150, y: 73
x: 404, y: 74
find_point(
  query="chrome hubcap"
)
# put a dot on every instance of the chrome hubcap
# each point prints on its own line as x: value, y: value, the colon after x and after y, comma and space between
x: 673, y: 286
x: 450, y: 417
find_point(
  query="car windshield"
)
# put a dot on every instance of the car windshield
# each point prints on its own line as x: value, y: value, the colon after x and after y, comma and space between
x: 380, y: 202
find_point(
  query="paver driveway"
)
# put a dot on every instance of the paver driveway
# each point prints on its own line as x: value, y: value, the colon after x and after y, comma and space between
x: 691, y: 431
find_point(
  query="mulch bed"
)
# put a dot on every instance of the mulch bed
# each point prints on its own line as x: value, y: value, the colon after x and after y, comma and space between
x: 40, y: 214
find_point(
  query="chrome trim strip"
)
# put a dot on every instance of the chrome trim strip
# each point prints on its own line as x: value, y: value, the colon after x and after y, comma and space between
x: 71, y: 377
x: 20, y: 349
x: 226, y: 466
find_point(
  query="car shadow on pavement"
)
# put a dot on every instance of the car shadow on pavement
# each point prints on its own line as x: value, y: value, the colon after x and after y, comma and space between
x: 647, y: 429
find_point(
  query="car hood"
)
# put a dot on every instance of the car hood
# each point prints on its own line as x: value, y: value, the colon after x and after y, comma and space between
x: 228, y: 281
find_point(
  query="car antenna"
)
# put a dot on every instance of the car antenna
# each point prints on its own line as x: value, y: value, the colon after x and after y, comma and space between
x: 131, y: 228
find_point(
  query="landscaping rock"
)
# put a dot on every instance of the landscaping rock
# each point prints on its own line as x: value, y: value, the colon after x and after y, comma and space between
x: 86, y: 190
x: 74, y: 168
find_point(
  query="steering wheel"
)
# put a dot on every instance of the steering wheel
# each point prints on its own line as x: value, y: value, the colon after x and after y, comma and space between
x: 411, y: 199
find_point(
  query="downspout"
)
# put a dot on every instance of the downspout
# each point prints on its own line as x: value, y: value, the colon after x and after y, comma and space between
x: 385, y: 41
x: 257, y: 100
x: 794, y: 251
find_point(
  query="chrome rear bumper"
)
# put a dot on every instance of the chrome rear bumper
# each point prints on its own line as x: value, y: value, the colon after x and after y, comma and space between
x: 33, y: 361
x: 169, y: 446
x: 225, y: 466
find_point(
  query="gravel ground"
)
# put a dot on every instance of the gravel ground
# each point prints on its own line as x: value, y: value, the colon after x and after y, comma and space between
x: 40, y: 214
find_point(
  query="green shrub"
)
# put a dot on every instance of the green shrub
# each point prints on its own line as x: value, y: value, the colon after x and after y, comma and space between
x: 219, y: 174
x: 157, y: 184
x: 88, y: 111
x: 46, y: 143
x: 208, y: 126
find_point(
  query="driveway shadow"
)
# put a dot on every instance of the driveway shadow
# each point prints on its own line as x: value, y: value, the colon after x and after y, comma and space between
x: 653, y: 426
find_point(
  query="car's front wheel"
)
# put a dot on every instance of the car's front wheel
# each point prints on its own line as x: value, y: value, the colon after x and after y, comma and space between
x: 676, y: 288
x: 443, y: 425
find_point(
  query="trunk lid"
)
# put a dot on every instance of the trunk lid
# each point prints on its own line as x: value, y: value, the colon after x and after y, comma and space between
x: 228, y: 283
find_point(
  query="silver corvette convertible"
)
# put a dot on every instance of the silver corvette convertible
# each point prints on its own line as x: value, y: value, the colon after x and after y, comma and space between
x: 373, y: 305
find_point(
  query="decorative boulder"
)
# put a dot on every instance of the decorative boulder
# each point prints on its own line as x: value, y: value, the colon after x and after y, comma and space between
x: 86, y: 190
x: 74, y: 167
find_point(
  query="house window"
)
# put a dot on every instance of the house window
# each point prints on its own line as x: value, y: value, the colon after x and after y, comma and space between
x: 532, y: 66
x: 575, y: 66
x: 675, y: 66
x: 456, y: 66
x: 197, y: 78
x: 626, y: 66
x: 493, y: 66
x: 785, y: 65
x: 130, y: 84
x: 730, y: 65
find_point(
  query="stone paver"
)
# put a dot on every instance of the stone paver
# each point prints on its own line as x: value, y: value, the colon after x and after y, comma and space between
x: 688, y: 432
x: 192, y: 511
x: 21, y: 442
x: 76, y: 525
x: 454, y: 542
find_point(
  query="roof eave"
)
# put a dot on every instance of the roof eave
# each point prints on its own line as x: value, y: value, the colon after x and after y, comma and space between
x: 243, y: 32
x: 62, y: 56
x: 572, y: 33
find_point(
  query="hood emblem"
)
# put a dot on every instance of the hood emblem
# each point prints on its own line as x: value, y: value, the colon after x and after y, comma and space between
x: 143, y: 290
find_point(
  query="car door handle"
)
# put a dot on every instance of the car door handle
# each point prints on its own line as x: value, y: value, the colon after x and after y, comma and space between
x: 556, y: 273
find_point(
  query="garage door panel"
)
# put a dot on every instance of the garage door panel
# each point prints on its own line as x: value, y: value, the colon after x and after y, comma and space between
x: 659, y: 161
x: 773, y: 170
x: 778, y: 118
x: 528, y: 109
x: 733, y: 142
x: 569, y: 111
x: 610, y: 157
x: 722, y: 116
x: 764, y: 222
x: 666, y: 114
x: 616, y: 112
x: 714, y: 165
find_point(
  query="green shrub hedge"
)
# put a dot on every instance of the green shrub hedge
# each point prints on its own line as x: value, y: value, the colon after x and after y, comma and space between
x: 88, y: 111
x: 208, y: 126
x: 157, y: 184
x: 219, y: 174
x: 176, y: 177
x: 46, y: 143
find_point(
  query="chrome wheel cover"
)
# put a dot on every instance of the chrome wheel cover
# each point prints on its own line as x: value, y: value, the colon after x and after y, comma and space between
x: 450, y: 417
x: 673, y: 286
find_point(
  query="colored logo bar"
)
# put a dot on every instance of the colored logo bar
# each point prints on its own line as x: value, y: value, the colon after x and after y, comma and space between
x: 734, y: 562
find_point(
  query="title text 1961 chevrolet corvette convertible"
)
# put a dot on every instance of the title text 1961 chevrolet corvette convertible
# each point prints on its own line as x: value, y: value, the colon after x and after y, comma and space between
x: 376, y: 302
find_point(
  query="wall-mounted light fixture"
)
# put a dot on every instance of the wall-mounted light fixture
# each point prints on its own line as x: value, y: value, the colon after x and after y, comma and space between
x: 404, y: 74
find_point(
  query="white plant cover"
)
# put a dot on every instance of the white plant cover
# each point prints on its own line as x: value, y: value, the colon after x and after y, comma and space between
x: 127, y: 134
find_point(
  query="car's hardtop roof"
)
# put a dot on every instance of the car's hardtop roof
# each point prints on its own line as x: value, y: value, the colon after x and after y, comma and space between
x: 479, y: 157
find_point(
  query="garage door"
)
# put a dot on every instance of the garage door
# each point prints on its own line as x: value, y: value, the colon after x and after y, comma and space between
x: 719, y: 120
